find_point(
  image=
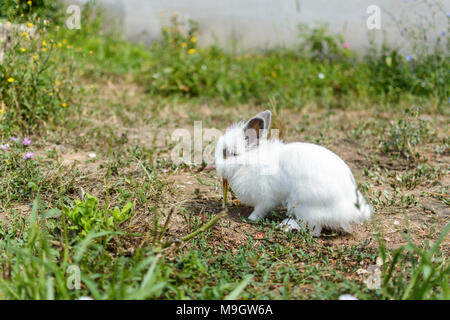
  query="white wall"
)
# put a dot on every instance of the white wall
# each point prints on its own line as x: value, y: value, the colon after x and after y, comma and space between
x: 268, y: 23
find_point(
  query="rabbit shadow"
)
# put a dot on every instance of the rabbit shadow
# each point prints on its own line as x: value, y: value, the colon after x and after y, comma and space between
x: 239, y: 213
x: 200, y: 206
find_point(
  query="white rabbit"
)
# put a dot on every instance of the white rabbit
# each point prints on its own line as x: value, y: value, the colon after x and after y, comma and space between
x: 316, y: 186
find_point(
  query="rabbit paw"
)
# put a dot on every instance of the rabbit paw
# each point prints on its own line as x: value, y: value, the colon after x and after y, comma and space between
x: 254, y: 217
x: 289, y: 224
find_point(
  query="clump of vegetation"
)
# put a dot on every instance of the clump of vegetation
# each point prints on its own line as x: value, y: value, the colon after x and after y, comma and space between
x: 424, y: 274
x: 36, y: 76
x: 86, y: 216
x: 20, y: 174
x: 319, y: 44
x: 422, y: 173
x: 32, y: 267
x: 19, y: 11
x: 406, y: 134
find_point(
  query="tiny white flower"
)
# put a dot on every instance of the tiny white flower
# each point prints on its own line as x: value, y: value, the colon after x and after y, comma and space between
x: 361, y: 271
x: 347, y: 297
x: 92, y: 155
x: 373, y: 282
x: 379, y: 261
x: 321, y: 76
x: 204, y: 67
x: 374, y: 269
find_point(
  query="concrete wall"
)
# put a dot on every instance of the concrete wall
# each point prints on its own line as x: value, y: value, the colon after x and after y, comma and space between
x: 267, y: 23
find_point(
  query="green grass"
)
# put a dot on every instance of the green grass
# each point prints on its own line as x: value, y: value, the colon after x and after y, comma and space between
x: 426, y: 268
x: 37, y: 252
x: 134, y: 234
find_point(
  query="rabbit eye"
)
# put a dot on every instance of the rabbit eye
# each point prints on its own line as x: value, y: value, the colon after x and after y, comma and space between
x: 228, y: 153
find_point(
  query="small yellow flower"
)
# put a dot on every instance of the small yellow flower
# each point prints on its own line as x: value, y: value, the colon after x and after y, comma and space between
x: 90, y: 51
x: 24, y: 34
x: 193, y: 39
x: 23, y: 50
x: 191, y: 51
x: 51, y: 93
x: 57, y: 83
x: 6, y: 161
x: 64, y: 104
x: 35, y: 57
x: 29, y: 2
x: 1, y: 111
x: 44, y: 90
x: 44, y: 43
x: 30, y: 25
x: 59, y: 44
x: 388, y: 61
x: 10, y: 80
x: 183, y: 45
x: 44, y: 49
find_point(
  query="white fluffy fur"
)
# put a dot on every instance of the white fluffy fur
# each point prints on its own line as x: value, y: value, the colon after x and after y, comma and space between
x: 316, y: 186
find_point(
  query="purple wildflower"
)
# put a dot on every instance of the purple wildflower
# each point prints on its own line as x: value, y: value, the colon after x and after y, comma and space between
x: 14, y: 139
x: 408, y: 58
x: 26, y: 141
x: 4, y: 147
x: 28, y: 155
x: 442, y: 33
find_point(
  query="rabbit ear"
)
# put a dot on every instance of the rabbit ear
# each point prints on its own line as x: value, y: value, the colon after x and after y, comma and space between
x: 257, y: 127
x: 267, y: 116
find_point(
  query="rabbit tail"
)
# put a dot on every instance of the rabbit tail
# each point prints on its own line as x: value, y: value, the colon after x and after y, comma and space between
x: 364, y: 208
